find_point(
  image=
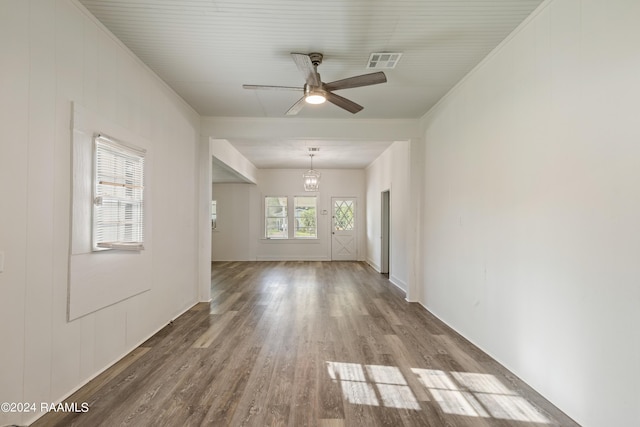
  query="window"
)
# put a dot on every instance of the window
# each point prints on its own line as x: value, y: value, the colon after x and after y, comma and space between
x: 118, y: 208
x: 300, y: 211
x: 214, y: 215
x: 276, y: 218
x: 304, y: 208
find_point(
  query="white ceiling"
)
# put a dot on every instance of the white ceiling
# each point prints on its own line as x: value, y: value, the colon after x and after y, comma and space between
x: 207, y: 49
x: 343, y: 154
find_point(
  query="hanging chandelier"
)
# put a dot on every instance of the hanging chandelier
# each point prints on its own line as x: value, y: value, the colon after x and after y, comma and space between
x: 311, y: 178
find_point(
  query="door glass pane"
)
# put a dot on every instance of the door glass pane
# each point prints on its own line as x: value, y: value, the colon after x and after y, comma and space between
x: 344, y: 215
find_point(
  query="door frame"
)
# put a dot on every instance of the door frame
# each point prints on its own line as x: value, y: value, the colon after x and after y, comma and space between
x: 385, y: 231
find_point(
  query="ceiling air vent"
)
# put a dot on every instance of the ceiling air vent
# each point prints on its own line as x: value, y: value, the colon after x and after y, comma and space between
x: 383, y: 60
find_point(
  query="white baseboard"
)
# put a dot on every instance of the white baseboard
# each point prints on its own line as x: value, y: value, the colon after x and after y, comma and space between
x: 292, y: 258
x: 373, y: 264
x: 400, y: 284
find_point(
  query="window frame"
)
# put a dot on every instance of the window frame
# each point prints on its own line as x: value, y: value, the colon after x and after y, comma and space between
x: 290, y: 217
x: 284, y: 217
x: 297, y: 218
x: 117, y: 198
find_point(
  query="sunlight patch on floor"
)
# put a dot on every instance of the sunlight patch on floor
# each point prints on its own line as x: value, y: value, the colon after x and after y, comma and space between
x: 372, y: 384
x: 457, y: 393
x: 480, y: 395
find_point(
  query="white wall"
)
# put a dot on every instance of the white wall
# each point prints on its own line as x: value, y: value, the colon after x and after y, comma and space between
x: 390, y: 171
x: 288, y: 182
x: 241, y: 208
x: 531, y: 231
x: 53, y: 53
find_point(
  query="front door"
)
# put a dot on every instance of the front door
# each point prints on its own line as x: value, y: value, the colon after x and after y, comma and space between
x: 343, y: 229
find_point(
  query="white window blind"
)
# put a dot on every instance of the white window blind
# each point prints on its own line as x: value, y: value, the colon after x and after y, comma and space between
x: 118, y: 208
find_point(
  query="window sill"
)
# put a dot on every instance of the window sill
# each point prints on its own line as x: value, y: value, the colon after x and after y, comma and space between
x: 291, y: 241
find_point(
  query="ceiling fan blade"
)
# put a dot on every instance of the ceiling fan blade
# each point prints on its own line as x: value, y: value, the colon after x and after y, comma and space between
x: 304, y: 64
x: 344, y: 103
x: 357, y: 81
x: 264, y: 87
x: 295, y: 108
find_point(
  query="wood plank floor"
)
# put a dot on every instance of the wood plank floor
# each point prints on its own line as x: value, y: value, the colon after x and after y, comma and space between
x: 307, y: 344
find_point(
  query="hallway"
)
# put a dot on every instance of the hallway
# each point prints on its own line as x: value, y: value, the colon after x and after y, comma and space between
x: 307, y: 344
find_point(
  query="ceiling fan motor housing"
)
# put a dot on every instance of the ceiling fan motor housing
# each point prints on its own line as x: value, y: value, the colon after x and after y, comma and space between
x: 316, y: 58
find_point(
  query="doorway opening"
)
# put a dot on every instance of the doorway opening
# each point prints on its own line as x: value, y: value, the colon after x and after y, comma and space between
x: 385, y: 231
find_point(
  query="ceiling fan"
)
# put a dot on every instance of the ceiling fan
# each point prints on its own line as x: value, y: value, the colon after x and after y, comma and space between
x: 317, y: 92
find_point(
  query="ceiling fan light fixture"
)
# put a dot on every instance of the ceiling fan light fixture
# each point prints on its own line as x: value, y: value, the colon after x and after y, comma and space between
x: 315, y: 98
x: 314, y: 95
